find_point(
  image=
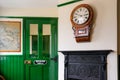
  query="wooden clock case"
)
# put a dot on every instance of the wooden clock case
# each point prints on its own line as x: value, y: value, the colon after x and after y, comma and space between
x: 82, y: 31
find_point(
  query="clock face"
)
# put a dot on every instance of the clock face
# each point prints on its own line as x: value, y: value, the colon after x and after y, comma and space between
x: 81, y: 15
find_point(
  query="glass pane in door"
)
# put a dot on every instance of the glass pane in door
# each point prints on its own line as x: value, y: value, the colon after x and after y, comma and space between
x: 34, y: 40
x: 46, y: 37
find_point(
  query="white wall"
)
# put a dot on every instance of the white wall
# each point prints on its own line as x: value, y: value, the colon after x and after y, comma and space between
x: 104, y: 35
x: 105, y: 27
x: 30, y: 12
x: 62, y: 1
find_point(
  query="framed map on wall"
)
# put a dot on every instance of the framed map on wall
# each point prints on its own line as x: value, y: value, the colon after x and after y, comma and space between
x: 10, y: 36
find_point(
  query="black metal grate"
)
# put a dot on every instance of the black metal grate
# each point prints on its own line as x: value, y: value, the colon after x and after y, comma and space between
x: 85, y: 65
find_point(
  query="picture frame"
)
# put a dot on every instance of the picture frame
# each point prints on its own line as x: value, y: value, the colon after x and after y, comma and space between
x: 10, y: 36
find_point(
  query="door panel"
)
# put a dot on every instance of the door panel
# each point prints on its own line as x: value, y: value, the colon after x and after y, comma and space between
x: 41, y: 46
x: 33, y: 75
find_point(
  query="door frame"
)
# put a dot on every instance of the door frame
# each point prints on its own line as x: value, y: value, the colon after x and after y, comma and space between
x: 53, y: 21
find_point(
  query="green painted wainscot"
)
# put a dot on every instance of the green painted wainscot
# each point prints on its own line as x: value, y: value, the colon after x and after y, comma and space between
x: 12, y: 67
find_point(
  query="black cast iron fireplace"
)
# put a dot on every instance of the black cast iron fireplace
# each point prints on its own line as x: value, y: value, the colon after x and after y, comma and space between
x: 86, y: 65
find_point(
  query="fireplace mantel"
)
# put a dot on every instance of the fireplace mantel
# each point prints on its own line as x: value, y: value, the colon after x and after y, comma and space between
x: 97, y: 52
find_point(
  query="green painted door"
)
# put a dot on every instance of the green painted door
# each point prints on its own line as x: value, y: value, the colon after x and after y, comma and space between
x: 41, y: 49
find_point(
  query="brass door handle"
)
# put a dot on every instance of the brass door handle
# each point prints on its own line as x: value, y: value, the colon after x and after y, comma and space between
x: 27, y: 62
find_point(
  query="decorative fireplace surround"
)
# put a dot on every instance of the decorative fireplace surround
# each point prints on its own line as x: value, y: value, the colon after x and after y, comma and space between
x: 86, y: 65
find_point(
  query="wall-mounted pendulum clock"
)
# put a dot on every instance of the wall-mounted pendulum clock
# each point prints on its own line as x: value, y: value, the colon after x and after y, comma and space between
x: 82, y: 20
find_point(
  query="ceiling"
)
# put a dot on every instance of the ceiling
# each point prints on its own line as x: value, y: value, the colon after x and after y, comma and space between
x: 28, y: 3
